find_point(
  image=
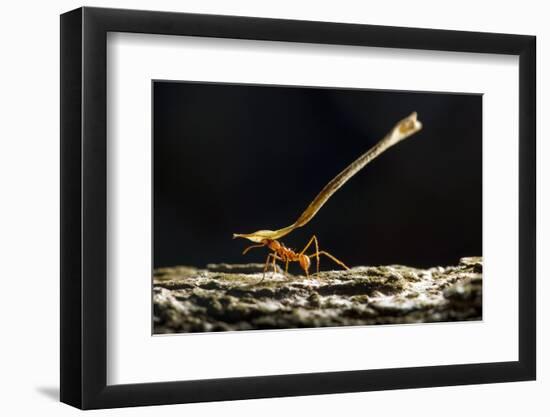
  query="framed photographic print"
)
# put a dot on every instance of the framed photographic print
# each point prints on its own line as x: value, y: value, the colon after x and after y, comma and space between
x: 258, y: 207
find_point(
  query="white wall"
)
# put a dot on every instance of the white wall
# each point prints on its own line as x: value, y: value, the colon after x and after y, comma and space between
x: 29, y: 174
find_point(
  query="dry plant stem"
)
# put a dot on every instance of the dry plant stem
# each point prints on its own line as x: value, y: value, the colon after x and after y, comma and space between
x: 402, y: 130
x: 279, y: 252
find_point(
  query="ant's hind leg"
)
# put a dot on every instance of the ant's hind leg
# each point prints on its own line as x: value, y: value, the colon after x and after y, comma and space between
x: 317, y: 251
x: 338, y: 261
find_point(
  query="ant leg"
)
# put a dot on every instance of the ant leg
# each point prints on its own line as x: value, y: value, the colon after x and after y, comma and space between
x: 266, y: 266
x: 313, y: 240
x: 286, y: 267
x: 339, y: 262
x: 317, y: 251
x: 267, y: 261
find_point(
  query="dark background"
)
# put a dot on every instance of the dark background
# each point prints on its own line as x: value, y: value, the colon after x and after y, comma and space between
x: 238, y: 158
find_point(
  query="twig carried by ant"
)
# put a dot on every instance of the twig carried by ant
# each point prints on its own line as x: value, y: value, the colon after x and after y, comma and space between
x: 402, y: 130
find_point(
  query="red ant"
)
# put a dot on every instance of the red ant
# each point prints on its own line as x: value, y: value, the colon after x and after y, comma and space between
x: 287, y: 255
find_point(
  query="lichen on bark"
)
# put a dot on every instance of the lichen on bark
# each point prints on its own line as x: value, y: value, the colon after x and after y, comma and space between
x: 225, y: 297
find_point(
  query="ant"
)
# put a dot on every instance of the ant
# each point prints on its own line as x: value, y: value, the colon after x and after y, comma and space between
x: 287, y: 255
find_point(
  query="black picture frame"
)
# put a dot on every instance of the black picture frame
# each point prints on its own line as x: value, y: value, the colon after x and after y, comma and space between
x: 84, y: 207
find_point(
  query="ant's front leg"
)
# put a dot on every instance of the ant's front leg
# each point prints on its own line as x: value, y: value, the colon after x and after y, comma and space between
x: 265, y: 266
x: 269, y: 257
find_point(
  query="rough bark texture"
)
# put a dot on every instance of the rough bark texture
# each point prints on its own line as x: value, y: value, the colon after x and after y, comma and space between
x: 234, y: 297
